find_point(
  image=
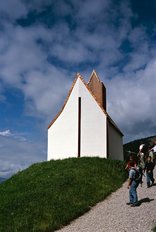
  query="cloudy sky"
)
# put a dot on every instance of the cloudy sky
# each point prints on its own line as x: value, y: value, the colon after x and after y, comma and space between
x: 44, y: 43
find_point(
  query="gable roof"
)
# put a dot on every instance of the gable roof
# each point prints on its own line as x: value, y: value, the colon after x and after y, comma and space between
x: 74, y: 82
x: 98, y: 89
x: 93, y: 75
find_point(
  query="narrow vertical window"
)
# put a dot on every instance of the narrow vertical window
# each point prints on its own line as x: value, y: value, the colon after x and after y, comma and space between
x: 79, y: 127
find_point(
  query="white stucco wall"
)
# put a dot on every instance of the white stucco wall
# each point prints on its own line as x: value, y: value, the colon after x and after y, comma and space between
x: 93, y: 126
x: 63, y: 134
x: 115, y: 143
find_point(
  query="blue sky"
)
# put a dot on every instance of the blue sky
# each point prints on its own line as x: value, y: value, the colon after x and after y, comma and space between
x: 43, y: 44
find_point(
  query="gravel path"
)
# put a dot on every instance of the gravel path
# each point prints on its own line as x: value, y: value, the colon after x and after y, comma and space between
x: 113, y: 215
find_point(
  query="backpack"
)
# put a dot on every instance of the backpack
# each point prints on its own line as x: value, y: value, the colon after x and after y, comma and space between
x: 138, y: 175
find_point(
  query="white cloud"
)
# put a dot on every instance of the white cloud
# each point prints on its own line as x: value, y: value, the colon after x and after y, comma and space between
x: 132, y: 101
x: 45, y: 89
x: 29, y: 69
x: 5, y: 133
x: 88, y: 10
x: 16, y: 136
x: 89, y: 34
x: 7, y: 169
x: 22, y: 53
x: 12, y: 9
x: 17, y: 154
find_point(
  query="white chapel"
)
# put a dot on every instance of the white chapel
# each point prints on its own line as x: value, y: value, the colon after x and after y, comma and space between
x: 83, y: 126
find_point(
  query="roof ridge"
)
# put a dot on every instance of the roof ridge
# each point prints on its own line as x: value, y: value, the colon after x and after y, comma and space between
x: 94, y: 74
x: 78, y: 75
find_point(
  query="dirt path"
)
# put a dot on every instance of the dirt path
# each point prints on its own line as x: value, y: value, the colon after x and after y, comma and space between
x: 113, y: 215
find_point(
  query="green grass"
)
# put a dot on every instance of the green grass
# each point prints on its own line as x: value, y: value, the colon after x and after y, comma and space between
x: 48, y: 195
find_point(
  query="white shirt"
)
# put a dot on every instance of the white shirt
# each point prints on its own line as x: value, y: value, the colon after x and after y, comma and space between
x: 154, y: 148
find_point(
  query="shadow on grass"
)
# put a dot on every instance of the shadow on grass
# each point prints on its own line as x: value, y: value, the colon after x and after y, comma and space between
x: 145, y: 200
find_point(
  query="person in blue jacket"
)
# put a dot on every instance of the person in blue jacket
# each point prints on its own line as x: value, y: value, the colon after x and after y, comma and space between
x: 132, y: 186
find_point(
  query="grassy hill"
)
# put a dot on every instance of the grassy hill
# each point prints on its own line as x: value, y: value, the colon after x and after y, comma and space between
x: 48, y: 195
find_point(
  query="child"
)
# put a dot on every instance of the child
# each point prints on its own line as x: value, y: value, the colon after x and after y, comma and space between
x: 132, y: 186
x: 149, y: 166
x: 131, y: 162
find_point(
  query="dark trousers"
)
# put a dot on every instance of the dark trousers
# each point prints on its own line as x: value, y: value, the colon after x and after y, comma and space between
x: 149, y: 178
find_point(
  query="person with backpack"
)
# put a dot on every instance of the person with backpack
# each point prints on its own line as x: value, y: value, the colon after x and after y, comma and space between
x: 141, y: 164
x: 133, y: 182
x: 131, y: 162
x: 149, y: 166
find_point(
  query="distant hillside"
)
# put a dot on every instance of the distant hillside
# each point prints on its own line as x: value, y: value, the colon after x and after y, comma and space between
x: 48, y: 195
x: 134, y: 145
x: 2, y: 179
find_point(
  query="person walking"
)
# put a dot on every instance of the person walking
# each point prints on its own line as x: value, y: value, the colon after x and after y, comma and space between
x: 131, y: 162
x: 151, y: 154
x: 149, y: 167
x: 132, y: 186
x: 141, y: 164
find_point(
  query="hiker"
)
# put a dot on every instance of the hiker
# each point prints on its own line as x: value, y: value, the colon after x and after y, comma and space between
x: 154, y: 152
x: 132, y: 186
x: 149, y: 166
x: 151, y: 154
x: 141, y: 164
x: 130, y: 162
x: 141, y: 158
x: 141, y: 154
